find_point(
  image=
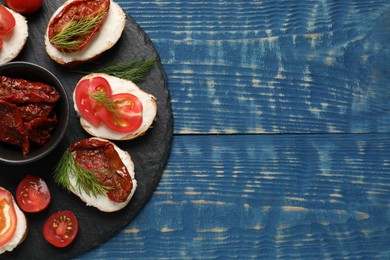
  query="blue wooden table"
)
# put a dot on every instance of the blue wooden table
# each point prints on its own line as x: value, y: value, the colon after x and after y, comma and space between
x: 281, y: 144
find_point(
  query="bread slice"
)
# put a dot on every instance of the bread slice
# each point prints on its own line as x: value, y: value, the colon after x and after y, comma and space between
x: 20, y: 232
x: 14, y: 41
x: 102, y: 202
x: 119, y: 85
x: 103, y: 40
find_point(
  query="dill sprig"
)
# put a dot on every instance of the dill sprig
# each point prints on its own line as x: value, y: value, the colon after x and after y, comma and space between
x: 86, y: 180
x: 135, y: 70
x: 67, y: 38
x: 106, y: 102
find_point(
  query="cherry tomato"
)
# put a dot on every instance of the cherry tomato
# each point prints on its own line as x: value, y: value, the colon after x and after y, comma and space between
x: 129, y: 113
x: 8, y: 217
x: 24, y: 6
x: 7, y: 21
x: 61, y: 228
x: 32, y: 194
x: 88, y: 106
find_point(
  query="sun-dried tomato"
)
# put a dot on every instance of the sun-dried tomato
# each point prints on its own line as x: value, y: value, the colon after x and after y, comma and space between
x: 39, y: 129
x: 76, y: 11
x: 23, y: 91
x: 12, y: 130
x: 102, y: 158
x: 27, y: 112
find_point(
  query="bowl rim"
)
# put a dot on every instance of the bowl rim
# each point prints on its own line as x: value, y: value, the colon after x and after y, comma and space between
x: 61, y: 133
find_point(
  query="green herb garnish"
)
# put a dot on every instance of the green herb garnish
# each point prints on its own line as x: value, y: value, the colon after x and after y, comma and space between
x: 109, y: 104
x: 135, y: 70
x: 86, y: 180
x: 66, y: 39
x: 101, y: 98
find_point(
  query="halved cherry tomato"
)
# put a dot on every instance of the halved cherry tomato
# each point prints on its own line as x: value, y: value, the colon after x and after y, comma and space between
x: 129, y: 113
x: 61, y: 228
x: 32, y: 194
x: 88, y: 106
x: 8, y: 217
x: 7, y: 21
x: 24, y: 6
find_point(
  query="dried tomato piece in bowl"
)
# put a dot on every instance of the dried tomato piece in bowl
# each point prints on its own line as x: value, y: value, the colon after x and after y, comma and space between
x: 26, y: 112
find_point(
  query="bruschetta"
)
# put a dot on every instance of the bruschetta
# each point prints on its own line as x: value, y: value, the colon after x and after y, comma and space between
x: 80, y: 31
x: 13, y: 223
x: 113, y: 108
x: 14, y: 39
x: 99, y: 173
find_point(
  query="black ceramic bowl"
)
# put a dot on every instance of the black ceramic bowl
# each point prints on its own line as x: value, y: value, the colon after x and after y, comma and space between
x: 12, y: 154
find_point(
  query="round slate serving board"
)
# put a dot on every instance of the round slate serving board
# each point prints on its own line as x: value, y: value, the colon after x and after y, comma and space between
x: 149, y: 152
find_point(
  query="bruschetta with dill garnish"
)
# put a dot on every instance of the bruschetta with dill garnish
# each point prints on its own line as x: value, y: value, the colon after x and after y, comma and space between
x: 81, y: 30
x: 113, y: 108
x: 98, y: 172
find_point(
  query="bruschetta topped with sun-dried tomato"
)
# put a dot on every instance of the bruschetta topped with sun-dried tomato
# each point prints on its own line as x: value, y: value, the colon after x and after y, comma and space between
x: 81, y: 30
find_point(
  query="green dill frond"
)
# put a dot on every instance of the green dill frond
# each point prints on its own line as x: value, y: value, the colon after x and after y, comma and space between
x: 67, y: 37
x: 86, y: 180
x: 101, y: 98
x: 135, y: 70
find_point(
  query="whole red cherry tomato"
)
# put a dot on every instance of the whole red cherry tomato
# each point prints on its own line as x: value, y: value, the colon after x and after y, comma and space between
x: 24, y: 6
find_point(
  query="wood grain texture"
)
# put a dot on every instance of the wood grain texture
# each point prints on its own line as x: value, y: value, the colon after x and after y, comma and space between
x: 282, y: 120
x: 273, y: 66
x: 278, y: 196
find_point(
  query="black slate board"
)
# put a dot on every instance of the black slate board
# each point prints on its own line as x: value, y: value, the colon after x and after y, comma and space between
x: 149, y: 152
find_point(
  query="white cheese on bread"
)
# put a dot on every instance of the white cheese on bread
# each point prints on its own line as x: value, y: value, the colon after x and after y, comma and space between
x: 119, y: 85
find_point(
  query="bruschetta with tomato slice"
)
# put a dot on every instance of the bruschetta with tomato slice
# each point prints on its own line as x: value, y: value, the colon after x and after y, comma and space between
x: 13, y: 34
x: 113, y: 108
x: 81, y: 30
x: 13, y: 223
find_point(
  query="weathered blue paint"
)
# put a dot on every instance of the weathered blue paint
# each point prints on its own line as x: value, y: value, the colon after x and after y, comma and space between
x: 317, y: 196
x: 282, y: 121
x: 273, y: 66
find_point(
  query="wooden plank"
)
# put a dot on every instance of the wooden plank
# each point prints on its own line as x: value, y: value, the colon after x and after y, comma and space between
x: 265, y: 196
x: 273, y: 66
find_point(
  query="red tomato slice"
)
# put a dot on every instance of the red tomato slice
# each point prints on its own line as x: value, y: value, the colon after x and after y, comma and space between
x: 7, y: 21
x: 24, y: 6
x: 8, y: 217
x: 61, y: 228
x: 88, y: 106
x: 129, y: 113
x: 32, y: 194
x: 1, y: 43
